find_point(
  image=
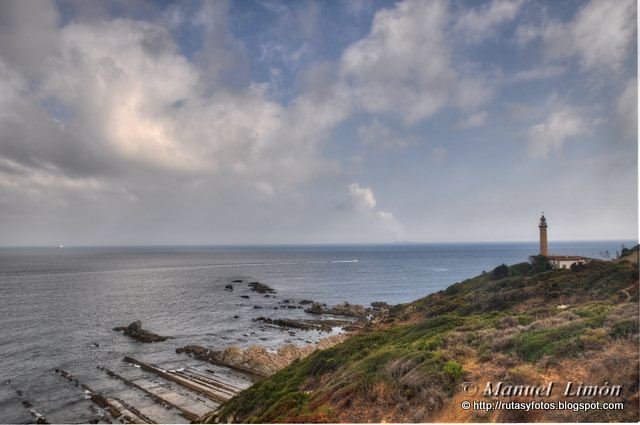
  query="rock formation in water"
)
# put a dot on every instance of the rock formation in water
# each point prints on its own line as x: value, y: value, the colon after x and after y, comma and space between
x: 344, y: 309
x: 260, y: 288
x: 135, y: 331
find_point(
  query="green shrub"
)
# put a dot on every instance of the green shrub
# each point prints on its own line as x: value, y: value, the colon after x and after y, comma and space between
x: 594, y: 314
x: 524, y: 319
x: 500, y: 272
x: 560, y: 341
x: 594, y: 339
x: 624, y: 329
x: 429, y: 343
x: 539, y: 264
x: 453, y: 369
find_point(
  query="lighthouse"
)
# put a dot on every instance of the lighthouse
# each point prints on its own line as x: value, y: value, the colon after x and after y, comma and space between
x: 544, y: 250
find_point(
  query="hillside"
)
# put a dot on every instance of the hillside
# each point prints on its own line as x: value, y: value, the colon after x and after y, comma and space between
x: 523, y: 324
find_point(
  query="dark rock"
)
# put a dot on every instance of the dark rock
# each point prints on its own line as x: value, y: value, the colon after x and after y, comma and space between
x: 237, y: 281
x: 305, y: 325
x: 228, y: 287
x: 236, y: 317
x: 304, y: 302
x: 344, y: 309
x: 257, y: 306
x: 379, y: 304
x: 315, y: 308
x: 244, y: 296
x: 287, y: 323
x: 196, y: 350
x: 135, y: 331
x: 260, y: 288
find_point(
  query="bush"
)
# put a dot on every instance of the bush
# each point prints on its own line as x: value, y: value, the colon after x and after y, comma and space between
x: 453, y: 369
x: 523, y: 374
x: 624, y: 329
x: 500, y: 272
x: 560, y: 341
x: 594, y: 339
x: 539, y: 264
x: 577, y: 267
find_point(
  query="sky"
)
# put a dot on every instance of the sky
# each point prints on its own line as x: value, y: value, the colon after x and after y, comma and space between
x: 274, y: 122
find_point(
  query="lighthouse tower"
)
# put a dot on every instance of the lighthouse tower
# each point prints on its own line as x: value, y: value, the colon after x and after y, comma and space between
x: 544, y: 250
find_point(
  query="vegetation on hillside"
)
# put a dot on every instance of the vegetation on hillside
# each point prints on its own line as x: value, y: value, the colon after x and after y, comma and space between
x: 522, y: 324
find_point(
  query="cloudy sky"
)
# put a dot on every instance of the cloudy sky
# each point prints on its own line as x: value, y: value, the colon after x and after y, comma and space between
x: 316, y: 122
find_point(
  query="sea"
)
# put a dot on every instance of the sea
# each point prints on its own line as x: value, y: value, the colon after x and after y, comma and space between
x: 58, y: 306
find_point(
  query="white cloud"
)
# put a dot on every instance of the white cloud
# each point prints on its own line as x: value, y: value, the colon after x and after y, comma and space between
x: 627, y: 109
x: 403, y: 66
x: 561, y: 124
x: 600, y: 36
x: 136, y: 103
x: 361, y: 198
x: 480, y: 23
x: 364, y: 202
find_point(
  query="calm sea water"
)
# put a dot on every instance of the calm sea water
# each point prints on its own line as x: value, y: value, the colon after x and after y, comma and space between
x: 56, y: 303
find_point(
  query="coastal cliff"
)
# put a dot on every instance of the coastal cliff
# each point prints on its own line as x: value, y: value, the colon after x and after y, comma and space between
x: 522, y: 325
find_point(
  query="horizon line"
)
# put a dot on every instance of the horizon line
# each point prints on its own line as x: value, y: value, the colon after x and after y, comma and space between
x: 310, y: 244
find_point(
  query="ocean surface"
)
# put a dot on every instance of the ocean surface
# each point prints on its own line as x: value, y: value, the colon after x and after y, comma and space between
x: 58, y: 305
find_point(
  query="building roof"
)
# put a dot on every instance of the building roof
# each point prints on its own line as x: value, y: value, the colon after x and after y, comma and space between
x: 568, y: 258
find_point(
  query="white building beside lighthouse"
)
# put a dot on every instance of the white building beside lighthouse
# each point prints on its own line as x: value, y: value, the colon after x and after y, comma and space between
x: 557, y: 261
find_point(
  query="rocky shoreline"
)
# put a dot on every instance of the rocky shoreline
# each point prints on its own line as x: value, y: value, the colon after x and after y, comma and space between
x: 197, y: 385
x: 257, y: 360
x: 260, y: 362
x: 309, y: 325
x: 344, y: 309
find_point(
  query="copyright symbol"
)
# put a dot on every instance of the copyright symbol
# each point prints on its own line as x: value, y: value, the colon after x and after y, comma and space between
x: 469, y: 388
x: 465, y: 405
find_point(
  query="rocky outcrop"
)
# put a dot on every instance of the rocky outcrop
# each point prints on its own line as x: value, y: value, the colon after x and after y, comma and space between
x: 256, y: 359
x: 260, y: 288
x: 305, y: 325
x: 344, y: 309
x: 135, y: 331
